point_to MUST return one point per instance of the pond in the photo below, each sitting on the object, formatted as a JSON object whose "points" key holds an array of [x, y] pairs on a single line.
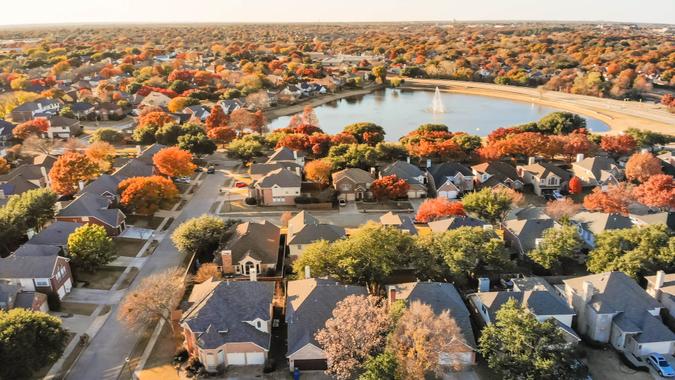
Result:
{"points": [[399, 111]]}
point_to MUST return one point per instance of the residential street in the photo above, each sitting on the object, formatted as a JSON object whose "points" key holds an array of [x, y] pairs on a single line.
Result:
{"points": [[104, 358]]}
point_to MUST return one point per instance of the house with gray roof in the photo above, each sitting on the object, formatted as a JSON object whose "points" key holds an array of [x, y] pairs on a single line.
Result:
{"points": [[38, 268], [590, 224], [304, 229], [105, 185], [259, 170], [229, 323], [251, 246], [278, 187], [309, 304], [455, 222], [441, 297], [612, 308], [544, 177], [402, 222], [416, 178], [96, 209], [12, 296], [666, 218], [352, 184], [284, 154], [6, 136], [141, 166], [63, 128], [525, 235], [449, 179], [597, 171], [496, 174], [661, 286], [55, 234]]}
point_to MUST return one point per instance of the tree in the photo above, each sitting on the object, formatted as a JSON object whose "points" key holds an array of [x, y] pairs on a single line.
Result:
{"points": [[615, 199], [352, 156], [487, 204], [199, 236], [365, 133], [517, 346], [4, 166], [560, 123], [146, 195], [102, 154], [155, 298], [422, 338], [34, 208], [245, 148], [356, 331], [168, 134], [634, 251], [30, 127], [242, 119], [562, 210], [389, 187], [618, 145], [380, 73], [391, 151], [382, 366], [89, 247], [221, 135], [68, 170], [29, 340], [198, 144], [207, 271], [437, 208], [575, 185], [556, 244], [179, 103], [641, 166], [647, 139], [318, 171], [173, 162], [108, 135], [216, 118], [658, 191]]}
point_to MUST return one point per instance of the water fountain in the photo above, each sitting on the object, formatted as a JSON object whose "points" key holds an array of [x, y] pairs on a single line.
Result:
{"points": [[437, 103]]}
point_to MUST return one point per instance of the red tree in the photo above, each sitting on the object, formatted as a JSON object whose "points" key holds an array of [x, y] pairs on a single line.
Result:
{"points": [[613, 200], [618, 145], [641, 166], [221, 135], [145, 195], [657, 191], [216, 118], [30, 127], [295, 141], [173, 162], [575, 185], [437, 208], [389, 187]]}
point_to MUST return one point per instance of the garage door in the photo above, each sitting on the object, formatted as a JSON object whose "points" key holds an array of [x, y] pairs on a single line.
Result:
{"points": [[253, 358], [236, 359], [311, 365], [68, 285], [447, 194], [61, 292]]}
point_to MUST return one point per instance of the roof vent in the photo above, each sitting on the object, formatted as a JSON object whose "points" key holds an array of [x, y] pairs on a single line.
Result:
{"points": [[222, 331]]}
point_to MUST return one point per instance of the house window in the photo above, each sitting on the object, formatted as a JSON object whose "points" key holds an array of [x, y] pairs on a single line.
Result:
{"points": [[278, 199], [258, 324], [42, 282]]}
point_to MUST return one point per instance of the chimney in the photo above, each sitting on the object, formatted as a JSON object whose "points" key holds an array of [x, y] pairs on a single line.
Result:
{"points": [[531, 160], [580, 157], [139, 150], [226, 258], [587, 291], [660, 278], [373, 172], [392, 295], [43, 170], [407, 159], [428, 163], [80, 184], [254, 274], [298, 172], [308, 273]]}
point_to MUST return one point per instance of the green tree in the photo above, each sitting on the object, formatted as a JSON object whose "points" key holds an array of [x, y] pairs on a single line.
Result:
{"points": [[352, 156], [487, 204], [365, 133], [145, 134], [633, 251], [36, 207], [382, 366], [647, 139], [29, 340], [246, 147], [380, 73], [200, 236], [391, 151], [556, 244], [168, 134], [517, 346], [198, 144], [560, 123], [468, 143], [89, 247], [108, 135]]}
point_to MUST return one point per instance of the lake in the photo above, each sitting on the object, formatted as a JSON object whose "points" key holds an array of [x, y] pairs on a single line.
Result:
{"points": [[400, 111]]}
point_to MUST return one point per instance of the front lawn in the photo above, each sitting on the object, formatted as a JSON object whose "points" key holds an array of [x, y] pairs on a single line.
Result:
{"points": [[103, 278], [140, 221], [127, 247], [78, 308], [401, 206]]}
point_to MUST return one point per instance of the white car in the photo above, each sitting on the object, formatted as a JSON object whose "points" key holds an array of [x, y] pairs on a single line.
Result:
{"points": [[661, 365], [556, 194]]}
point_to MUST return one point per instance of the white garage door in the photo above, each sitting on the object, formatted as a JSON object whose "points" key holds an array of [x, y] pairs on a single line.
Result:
{"points": [[69, 285], [255, 358], [236, 359], [447, 194], [61, 292]]}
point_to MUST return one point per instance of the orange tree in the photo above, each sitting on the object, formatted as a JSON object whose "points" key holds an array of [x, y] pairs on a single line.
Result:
{"points": [[69, 170], [146, 195], [641, 166], [615, 199], [658, 191], [389, 187], [435, 208], [216, 118], [318, 171], [31, 127], [221, 135], [173, 162]]}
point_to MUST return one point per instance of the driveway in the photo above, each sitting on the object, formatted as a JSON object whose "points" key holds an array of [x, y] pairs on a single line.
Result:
{"points": [[104, 357], [605, 364]]}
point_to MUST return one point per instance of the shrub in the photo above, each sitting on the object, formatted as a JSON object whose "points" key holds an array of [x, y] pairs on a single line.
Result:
{"points": [[250, 201]]}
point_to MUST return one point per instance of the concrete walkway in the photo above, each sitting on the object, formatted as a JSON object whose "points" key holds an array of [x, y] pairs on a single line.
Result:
{"points": [[95, 296]]}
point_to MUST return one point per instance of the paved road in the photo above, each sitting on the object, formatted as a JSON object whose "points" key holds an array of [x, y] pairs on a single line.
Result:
{"points": [[104, 357]]}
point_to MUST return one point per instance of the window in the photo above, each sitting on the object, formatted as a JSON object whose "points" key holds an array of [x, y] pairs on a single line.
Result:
{"points": [[278, 199], [258, 324], [42, 282]]}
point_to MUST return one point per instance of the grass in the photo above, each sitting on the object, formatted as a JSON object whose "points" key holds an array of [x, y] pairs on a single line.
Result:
{"points": [[140, 221], [127, 247], [388, 205], [159, 364], [129, 278], [78, 308], [103, 279], [42, 372]]}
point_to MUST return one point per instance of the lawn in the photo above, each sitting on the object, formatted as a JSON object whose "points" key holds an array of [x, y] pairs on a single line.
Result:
{"points": [[103, 278], [78, 308], [127, 247], [140, 221], [384, 206]]}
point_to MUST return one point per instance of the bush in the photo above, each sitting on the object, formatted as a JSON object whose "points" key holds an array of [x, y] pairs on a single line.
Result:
{"points": [[54, 302], [302, 200], [250, 201]]}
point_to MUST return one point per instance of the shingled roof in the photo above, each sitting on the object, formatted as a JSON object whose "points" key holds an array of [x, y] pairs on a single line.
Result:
{"points": [[257, 240]]}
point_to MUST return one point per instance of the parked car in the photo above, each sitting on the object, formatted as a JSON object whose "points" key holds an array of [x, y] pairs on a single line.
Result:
{"points": [[211, 170], [556, 194], [661, 365], [342, 202], [182, 179], [240, 184], [198, 169]]}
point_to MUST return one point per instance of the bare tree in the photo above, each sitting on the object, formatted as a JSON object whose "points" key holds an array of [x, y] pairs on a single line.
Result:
{"points": [[36, 145], [562, 210], [206, 271], [285, 217], [154, 298]]}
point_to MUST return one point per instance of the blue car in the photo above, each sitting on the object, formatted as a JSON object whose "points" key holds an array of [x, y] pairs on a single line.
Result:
{"points": [[661, 365]]}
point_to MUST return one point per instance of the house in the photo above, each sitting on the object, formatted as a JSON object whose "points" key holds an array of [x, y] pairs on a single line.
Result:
{"points": [[6, 135], [415, 177], [304, 229], [38, 268], [449, 179], [83, 110], [666, 218], [230, 105], [155, 99], [590, 224], [257, 171], [105, 185], [39, 108], [525, 235], [45, 160], [497, 173], [285, 154], [12, 296], [309, 304], [402, 222], [455, 222], [63, 128], [543, 176], [15, 186], [352, 184], [55, 234], [278, 187], [198, 112], [110, 111], [229, 323], [441, 297], [35, 174], [95, 209], [596, 171], [141, 166], [661, 286], [252, 245], [612, 308]]}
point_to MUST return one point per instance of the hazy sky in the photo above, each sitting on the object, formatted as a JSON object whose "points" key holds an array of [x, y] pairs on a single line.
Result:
{"points": [[95, 11]]}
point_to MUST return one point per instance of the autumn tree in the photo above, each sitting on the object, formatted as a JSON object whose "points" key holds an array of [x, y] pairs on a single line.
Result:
{"points": [[153, 299], [641, 166], [242, 119], [179, 103], [31, 127], [246, 148], [4, 166], [101, 153], [173, 162], [575, 185], [89, 247], [615, 199], [356, 331], [146, 195], [365, 133], [382, 366], [318, 171], [487, 204], [437, 208], [389, 187], [556, 244], [68, 170], [658, 191], [216, 118], [562, 210], [618, 145], [221, 135], [207, 271]]}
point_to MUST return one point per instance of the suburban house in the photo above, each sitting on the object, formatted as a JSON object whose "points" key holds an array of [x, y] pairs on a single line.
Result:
{"points": [[104, 185], [285, 154], [230, 105], [55, 234], [141, 166], [83, 110], [666, 218], [543, 176], [352, 184], [251, 246], [110, 111], [39, 108], [402, 222], [63, 128], [35, 174], [309, 304], [6, 135], [198, 112], [441, 297], [15, 182], [415, 177], [304, 229], [612, 308], [596, 171], [12, 296], [661, 286], [155, 99], [278, 187], [495, 174], [259, 170], [38, 268], [94, 208], [449, 179], [229, 323], [455, 222], [526, 234], [590, 224]]}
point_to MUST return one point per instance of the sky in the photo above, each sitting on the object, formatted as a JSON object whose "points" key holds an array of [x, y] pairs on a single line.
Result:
{"points": [[22, 12]]}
